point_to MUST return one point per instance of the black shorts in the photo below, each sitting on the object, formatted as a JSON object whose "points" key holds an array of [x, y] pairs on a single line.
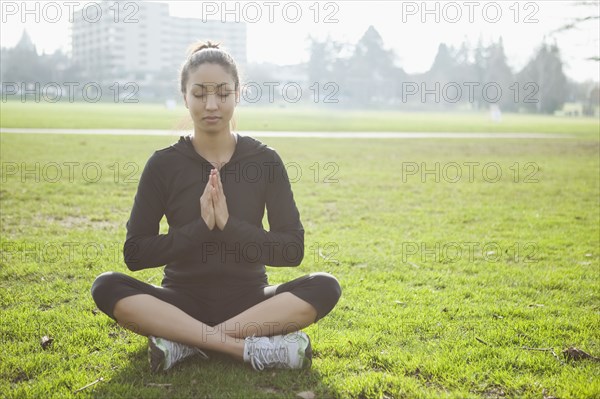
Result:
{"points": [[213, 305]]}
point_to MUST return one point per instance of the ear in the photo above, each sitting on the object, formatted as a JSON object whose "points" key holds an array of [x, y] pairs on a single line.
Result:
{"points": [[185, 101]]}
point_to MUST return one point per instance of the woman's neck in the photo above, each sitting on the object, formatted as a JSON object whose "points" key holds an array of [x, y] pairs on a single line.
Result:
{"points": [[215, 147]]}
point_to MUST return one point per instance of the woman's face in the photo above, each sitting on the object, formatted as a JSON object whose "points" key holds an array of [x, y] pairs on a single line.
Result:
{"points": [[210, 97]]}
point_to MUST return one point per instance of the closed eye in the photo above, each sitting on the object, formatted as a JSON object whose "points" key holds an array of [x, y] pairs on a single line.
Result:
{"points": [[204, 95]]}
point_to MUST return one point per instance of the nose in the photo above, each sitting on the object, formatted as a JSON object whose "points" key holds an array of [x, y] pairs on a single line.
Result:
{"points": [[211, 102]]}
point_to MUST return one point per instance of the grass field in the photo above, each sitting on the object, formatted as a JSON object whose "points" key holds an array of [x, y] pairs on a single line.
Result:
{"points": [[445, 283], [156, 116], [448, 274]]}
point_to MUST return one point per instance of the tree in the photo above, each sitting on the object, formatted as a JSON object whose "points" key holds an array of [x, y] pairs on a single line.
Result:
{"points": [[576, 23], [321, 63], [371, 74], [23, 64], [545, 72], [480, 58], [444, 73], [444, 66], [463, 58], [499, 73]]}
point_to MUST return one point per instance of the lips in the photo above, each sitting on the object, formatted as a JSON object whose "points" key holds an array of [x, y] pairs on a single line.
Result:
{"points": [[211, 118]]}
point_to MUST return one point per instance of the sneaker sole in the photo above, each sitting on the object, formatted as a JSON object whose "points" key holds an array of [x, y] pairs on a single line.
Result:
{"points": [[156, 356], [307, 363]]}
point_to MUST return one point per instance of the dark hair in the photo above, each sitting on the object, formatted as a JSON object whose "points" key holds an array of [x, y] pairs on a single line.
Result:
{"points": [[200, 53]]}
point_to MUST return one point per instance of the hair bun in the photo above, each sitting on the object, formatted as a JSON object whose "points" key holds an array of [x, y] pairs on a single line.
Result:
{"points": [[200, 45]]}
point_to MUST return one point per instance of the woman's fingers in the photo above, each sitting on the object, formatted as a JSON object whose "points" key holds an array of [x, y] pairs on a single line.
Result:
{"points": [[216, 183], [207, 195], [209, 184], [213, 178], [219, 200], [219, 181], [214, 187], [207, 206]]}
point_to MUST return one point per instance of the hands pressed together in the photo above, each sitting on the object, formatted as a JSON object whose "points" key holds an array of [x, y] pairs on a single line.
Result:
{"points": [[213, 204]]}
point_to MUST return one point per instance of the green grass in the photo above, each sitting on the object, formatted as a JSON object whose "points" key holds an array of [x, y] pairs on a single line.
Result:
{"points": [[417, 324], [155, 116]]}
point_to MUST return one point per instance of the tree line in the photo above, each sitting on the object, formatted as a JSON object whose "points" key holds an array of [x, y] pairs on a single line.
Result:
{"points": [[363, 75], [459, 78]]}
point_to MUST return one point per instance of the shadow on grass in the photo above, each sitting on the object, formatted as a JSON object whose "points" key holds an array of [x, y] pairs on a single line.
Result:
{"points": [[220, 376]]}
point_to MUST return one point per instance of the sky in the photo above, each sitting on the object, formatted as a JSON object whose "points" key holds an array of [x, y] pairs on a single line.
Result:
{"points": [[277, 31]]}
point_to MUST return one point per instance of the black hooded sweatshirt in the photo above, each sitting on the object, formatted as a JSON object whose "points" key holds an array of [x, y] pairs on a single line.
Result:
{"points": [[172, 183]]}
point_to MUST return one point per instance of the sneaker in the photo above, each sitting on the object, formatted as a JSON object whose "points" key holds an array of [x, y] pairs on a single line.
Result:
{"points": [[164, 354], [291, 351]]}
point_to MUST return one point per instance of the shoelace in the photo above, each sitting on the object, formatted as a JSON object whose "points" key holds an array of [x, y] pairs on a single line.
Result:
{"points": [[180, 351], [259, 357]]}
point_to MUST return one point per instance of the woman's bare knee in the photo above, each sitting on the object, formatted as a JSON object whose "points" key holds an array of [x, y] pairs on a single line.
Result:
{"points": [[127, 316]]}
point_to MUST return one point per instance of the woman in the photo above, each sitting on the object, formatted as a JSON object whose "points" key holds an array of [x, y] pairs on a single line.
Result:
{"points": [[213, 187]]}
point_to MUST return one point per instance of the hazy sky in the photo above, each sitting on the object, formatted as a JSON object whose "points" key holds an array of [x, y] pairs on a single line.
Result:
{"points": [[407, 27]]}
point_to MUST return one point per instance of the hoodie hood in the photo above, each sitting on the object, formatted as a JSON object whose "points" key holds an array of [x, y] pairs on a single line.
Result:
{"points": [[246, 146]]}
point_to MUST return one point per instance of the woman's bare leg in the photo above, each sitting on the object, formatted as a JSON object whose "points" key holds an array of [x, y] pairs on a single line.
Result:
{"points": [[148, 315], [280, 314]]}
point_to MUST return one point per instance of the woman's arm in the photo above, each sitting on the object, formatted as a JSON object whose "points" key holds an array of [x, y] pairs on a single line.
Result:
{"points": [[283, 245], [144, 247]]}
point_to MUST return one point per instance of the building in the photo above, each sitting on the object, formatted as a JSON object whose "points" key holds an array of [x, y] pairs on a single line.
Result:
{"points": [[141, 42]]}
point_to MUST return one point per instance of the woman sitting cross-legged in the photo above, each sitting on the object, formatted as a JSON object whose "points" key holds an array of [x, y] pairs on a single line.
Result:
{"points": [[213, 186]]}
